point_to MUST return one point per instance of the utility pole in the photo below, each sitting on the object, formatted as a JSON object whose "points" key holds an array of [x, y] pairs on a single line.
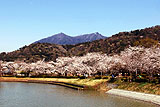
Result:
{"points": [[101, 74]]}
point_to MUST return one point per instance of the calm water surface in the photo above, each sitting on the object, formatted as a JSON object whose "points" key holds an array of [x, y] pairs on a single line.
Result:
{"points": [[45, 95]]}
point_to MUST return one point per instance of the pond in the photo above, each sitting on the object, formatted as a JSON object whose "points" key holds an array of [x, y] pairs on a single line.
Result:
{"points": [[46, 95]]}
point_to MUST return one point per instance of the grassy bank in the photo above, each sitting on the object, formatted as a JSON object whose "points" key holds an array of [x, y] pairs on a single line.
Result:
{"points": [[90, 83], [148, 88]]}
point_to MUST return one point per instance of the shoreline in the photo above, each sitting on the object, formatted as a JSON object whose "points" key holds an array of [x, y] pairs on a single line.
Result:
{"points": [[136, 95], [86, 84], [68, 85]]}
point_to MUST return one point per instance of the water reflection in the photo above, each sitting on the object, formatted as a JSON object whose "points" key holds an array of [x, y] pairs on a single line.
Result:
{"points": [[45, 95]]}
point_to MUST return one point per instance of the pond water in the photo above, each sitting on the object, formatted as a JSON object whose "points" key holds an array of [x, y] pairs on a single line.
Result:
{"points": [[46, 95]]}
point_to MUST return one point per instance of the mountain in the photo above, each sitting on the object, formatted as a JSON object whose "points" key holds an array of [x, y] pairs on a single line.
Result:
{"points": [[60, 38], [88, 38], [112, 45], [64, 39]]}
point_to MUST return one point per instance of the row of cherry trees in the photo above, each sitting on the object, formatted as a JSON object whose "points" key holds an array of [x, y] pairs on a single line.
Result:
{"points": [[134, 61]]}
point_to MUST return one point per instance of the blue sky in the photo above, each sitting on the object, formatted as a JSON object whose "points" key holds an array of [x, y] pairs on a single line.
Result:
{"points": [[25, 21]]}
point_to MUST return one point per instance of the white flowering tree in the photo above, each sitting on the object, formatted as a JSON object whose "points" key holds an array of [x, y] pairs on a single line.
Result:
{"points": [[135, 60]]}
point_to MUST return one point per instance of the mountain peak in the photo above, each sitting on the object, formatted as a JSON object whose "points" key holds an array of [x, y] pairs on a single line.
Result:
{"points": [[61, 33], [63, 39], [97, 33]]}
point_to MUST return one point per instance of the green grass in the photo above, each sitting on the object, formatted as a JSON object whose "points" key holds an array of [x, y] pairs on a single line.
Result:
{"points": [[149, 88]]}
